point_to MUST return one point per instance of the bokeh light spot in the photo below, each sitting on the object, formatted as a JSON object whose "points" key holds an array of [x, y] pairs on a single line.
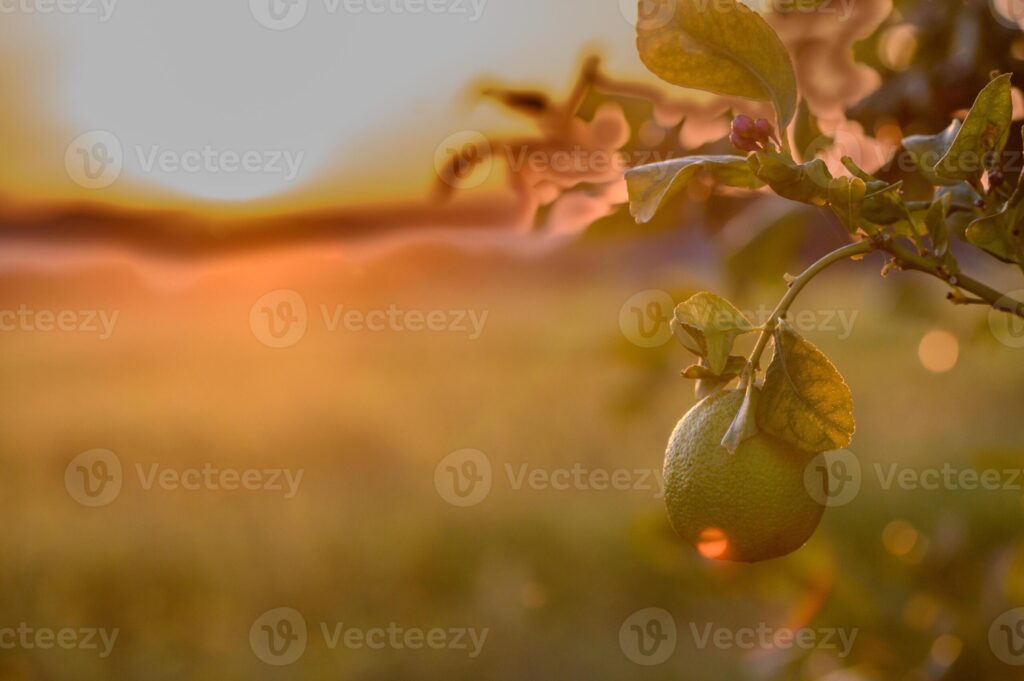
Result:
{"points": [[712, 543], [946, 649], [938, 351], [899, 537]]}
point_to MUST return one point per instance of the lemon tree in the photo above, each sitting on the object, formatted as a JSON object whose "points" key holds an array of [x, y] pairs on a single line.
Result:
{"points": [[734, 463]]}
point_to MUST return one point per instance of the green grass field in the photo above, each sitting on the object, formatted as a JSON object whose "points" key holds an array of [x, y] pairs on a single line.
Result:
{"points": [[367, 540]]}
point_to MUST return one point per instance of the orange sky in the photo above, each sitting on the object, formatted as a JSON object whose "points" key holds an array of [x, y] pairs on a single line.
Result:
{"points": [[346, 107]]}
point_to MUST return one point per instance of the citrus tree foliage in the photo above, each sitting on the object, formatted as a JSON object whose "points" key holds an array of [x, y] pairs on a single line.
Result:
{"points": [[727, 49]]}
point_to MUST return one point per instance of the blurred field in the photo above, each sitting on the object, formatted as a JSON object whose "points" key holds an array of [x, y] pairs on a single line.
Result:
{"points": [[552, 574]]}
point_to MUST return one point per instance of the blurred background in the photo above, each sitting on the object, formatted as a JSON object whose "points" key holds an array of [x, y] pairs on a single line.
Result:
{"points": [[309, 311]]}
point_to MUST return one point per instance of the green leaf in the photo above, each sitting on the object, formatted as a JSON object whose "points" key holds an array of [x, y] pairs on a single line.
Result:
{"points": [[805, 182], [807, 135], [744, 424], [962, 209], [884, 206], [725, 48], [911, 227], [999, 234], [805, 400], [651, 185], [846, 198], [708, 325], [935, 223], [994, 234], [927, 150], [870, 180], [982, 136]]}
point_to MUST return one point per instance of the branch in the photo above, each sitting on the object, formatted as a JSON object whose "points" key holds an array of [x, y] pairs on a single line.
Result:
{"points": [[907, 259], [796, 286]]}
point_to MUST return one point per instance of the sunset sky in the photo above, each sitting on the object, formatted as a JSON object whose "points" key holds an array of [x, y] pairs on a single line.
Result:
{"points": [[333, 110]]}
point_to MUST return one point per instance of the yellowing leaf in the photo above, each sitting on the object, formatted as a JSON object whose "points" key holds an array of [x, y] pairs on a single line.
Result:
{"points": [[805, 400], [708, 325], [651, 185], [983, 134], [722, 47]]}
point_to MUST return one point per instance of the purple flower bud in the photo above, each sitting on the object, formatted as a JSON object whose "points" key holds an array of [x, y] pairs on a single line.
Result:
{"points": [[765, 130], [745, 127], [742, 143]]}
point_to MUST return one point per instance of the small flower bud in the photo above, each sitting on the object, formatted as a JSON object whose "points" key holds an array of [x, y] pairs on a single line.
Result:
{"points": [[745, 127], [765, 130], [743, 143]]}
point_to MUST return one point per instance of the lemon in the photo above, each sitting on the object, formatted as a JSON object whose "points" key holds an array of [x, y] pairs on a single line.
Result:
{"points": [[747, 506]]}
